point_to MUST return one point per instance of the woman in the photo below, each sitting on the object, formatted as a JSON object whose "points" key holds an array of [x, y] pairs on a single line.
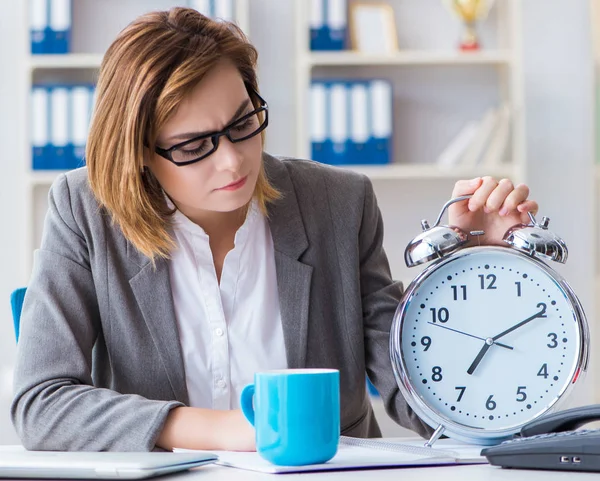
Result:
{"points": [[183, 259]]}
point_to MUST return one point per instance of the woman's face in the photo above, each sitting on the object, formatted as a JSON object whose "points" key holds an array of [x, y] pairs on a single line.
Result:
{"points": [[225, 180]]}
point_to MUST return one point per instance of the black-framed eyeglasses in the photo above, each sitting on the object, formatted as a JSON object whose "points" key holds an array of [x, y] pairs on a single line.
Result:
{"points": [[198, 148]]}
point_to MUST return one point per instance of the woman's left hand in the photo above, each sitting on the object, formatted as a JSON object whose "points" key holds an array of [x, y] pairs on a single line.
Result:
{"points": [[494, 207]]}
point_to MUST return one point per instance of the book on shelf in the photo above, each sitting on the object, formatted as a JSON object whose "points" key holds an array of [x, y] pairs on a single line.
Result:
{"points": [[50, 26], [328, 24], [497, 149], [355, 453], [351, 121], [60, 118], [480, 142], [452, 154]]}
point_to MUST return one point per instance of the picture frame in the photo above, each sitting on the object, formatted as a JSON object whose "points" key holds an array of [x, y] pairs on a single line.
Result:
{"points": [[373, 28]]}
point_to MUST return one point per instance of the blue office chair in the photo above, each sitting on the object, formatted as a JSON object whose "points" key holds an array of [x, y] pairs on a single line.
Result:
{"points": [[16, 302]]}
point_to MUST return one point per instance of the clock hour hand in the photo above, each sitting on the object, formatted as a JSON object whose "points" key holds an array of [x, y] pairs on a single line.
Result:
{"points": [[488, 343], [470, 335]]}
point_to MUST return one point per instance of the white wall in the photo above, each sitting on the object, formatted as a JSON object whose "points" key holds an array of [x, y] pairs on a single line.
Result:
{"points": [[12, 195], [559, 101]]}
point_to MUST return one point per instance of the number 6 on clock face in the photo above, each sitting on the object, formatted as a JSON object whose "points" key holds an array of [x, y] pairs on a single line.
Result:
{"points": [[485, 340]]}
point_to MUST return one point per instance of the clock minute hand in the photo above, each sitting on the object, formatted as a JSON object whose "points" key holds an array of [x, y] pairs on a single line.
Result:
{"points": [[520, 324], [499, 344], [490, 341]]}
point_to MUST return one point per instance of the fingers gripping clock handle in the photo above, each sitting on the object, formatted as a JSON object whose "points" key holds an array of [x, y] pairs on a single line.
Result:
{"points": [[568, 420]]}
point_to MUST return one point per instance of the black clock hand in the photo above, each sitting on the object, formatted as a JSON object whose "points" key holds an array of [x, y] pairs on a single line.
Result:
{"points": [[470, 335], [522, 323], [490, 341]]}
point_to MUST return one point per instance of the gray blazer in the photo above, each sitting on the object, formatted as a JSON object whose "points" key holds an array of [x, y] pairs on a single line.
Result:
{"points": [[99, 363]]}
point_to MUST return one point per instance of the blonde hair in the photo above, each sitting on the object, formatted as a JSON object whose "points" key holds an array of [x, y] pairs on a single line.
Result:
{"points": [[145, 74]]}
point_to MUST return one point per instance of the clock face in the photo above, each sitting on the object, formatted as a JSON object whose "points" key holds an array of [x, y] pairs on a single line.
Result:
{"points": [[489, 340]]}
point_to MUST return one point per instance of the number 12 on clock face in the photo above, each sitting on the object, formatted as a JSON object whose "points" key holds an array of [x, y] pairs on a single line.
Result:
{"points": [[489, 339]]}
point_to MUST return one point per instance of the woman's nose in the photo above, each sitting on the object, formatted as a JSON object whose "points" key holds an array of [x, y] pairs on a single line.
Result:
{"points": [[227, 156]]}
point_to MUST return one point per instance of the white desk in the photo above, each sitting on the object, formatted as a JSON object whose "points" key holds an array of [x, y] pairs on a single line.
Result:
{"points": [[481, 472]]}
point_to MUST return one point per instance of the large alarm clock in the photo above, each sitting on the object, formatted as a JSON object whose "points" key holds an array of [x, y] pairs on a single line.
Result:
{"points": [[487, 338]]}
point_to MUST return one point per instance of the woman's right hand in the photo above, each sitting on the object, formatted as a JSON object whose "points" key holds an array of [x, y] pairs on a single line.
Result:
{"points": [[239, 434], [207, 429]]}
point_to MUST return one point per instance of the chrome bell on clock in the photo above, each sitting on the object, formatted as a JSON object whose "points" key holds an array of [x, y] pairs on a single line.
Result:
{"points": [[437, 241], [536, 240]]}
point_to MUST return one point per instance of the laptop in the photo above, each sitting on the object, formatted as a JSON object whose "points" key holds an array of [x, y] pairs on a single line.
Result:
{"points": [[97, 465]]}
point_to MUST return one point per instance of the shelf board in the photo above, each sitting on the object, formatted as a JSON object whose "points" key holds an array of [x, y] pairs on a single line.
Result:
{"points": [[424, 171], [43, 178], [410, 57], [71, 60]]}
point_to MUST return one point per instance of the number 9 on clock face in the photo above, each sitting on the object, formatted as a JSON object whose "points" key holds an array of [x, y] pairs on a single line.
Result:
{"points": [[486, 340]]}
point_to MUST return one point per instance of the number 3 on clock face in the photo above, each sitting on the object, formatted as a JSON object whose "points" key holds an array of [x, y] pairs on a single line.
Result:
{"points": [[486, 340]]}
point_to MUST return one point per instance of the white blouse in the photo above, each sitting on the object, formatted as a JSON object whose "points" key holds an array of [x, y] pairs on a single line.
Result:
{"points": [[231, 330]]}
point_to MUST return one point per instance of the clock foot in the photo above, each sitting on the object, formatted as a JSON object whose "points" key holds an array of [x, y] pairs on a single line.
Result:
{"points": [[435, 436]]}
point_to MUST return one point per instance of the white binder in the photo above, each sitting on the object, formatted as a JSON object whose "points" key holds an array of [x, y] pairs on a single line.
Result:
{"points": [[381, 109], [80, 119], [359, 126], [338, 111], [59, 126]]}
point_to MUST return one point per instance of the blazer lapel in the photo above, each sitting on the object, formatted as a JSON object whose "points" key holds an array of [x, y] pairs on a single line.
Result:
{"points": [[152, 290], [293, 277]]}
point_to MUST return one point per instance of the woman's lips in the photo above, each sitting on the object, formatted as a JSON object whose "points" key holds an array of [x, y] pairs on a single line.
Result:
{"points": [[238, 184]]}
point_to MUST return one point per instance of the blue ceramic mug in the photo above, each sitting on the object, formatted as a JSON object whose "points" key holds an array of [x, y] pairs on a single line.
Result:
{"points": [[296, 414]]}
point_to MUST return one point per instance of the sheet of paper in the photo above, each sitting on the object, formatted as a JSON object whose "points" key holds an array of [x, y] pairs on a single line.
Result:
{"points": [[347, 457]]}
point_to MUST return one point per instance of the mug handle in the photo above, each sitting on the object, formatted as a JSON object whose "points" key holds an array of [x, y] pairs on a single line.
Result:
{"points": [[246, 403]]}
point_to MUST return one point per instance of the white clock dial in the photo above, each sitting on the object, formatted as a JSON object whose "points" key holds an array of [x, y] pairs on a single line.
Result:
{"points": [[489, 339]]}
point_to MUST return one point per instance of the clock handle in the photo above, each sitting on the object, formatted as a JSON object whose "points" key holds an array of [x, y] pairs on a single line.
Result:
{"points": [[448, 204]]}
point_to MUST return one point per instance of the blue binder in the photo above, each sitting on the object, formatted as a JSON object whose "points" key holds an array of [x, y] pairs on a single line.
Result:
{"points": [[339, 139], [60, 26], [40, 136], [379, 150], [318, 121], [39, 27], [360, 119], [318, 29], [60, 151], [337, 24], [81, 97], [328, 21]]}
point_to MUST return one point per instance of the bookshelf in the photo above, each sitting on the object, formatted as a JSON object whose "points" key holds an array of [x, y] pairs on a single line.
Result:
{"points": [[437, 90], [89, 40]]}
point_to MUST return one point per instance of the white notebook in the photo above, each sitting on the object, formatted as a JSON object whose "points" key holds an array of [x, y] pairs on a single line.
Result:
{"points": [[355, 453]]}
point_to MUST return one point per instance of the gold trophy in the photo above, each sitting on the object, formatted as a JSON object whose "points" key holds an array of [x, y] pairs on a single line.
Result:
{"points": [[470, 12]]}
